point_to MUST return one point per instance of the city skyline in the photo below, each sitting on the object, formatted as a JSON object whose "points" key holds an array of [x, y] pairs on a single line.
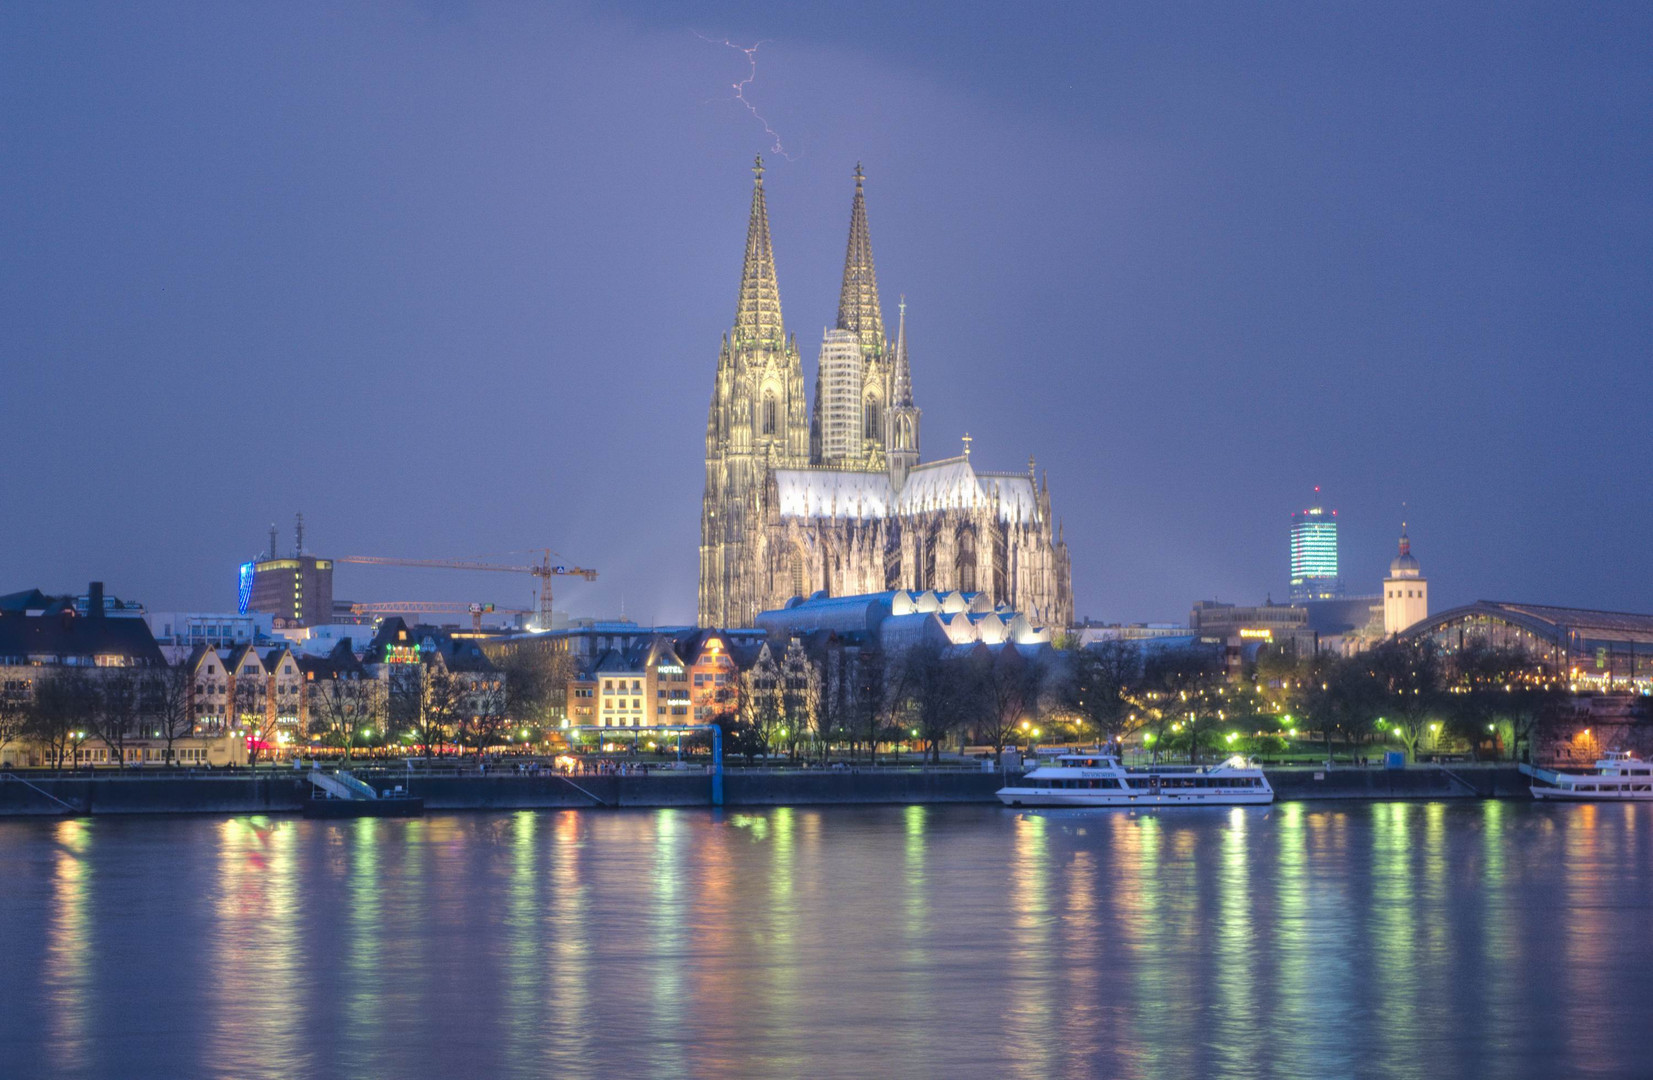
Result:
{"points": [[398, 271]]}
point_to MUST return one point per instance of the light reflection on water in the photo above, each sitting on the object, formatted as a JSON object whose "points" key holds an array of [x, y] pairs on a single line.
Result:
{"points": [[1497, 939]]}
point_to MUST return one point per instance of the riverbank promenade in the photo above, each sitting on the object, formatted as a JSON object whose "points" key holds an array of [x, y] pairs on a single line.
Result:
{"points": [[279, 790]]}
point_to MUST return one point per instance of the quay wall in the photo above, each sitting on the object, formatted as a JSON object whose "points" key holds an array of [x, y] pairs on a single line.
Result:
{"points": [[1418, 782], [281, 793]]}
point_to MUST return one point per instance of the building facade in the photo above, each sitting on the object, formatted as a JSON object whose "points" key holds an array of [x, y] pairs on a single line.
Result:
{"points": [[297, 591], [1592, 650], [838, 503]]}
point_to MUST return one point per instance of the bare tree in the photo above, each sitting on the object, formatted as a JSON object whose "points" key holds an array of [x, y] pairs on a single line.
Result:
{"points": [[869, 701], [14, 713], [934, 695], [1094, 694], [341, 708], [117, 711], [800, 696], [1181, 695], [481, 716], [166, 696], [535, 686], [61, 711], [1011, 684], [760, 702], [427, 700], [254, 714], [832, 711], [1412, 678]]}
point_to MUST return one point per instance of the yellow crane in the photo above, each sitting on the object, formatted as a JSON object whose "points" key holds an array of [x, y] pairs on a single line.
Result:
{"points": [[545, 570]]}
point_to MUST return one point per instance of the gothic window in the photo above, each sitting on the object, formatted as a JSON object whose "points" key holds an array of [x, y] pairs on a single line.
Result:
{"points": [[769, 413], [892, 562], [874, 419], [964, 569], [798, 579], [1001, 576], [904, 434]]}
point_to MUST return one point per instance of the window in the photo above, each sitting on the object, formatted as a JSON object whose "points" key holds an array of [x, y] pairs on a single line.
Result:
{"points": [[964, 568], [769, 413], [873, 419]]}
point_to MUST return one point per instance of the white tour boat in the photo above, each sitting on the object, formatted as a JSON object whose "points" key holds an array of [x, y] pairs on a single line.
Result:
{"points": [[1619, 777], [1097, 779]]}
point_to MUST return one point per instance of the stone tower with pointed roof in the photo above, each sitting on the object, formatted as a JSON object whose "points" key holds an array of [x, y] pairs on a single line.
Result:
{"points": [[838, 502]]}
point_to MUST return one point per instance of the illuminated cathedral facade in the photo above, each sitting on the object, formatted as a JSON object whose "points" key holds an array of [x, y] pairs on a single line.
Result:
{"points": [[834, 499]]}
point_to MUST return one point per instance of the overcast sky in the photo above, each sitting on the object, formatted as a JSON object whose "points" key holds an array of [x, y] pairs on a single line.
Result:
{"points": [[450, 279]]}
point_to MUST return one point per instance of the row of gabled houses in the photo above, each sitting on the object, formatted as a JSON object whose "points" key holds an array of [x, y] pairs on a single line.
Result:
{"points": [[238, 702], [262, 699]]}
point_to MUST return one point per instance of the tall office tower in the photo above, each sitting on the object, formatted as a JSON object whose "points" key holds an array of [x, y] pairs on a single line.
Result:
{"points": [[1314, 554]]}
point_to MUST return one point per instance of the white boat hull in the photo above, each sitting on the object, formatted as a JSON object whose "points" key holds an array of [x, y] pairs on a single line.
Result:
{"points": [[1619, 777], [1561, 794], [1042, 797]]}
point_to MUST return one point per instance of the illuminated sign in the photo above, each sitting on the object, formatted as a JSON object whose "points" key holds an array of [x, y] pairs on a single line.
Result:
{"points": [[670, 669], [401, 654], [244, 594], [1257, 635]]}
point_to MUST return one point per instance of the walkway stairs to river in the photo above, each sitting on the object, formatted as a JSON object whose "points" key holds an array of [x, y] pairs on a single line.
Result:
{"points": [[59, 805]]}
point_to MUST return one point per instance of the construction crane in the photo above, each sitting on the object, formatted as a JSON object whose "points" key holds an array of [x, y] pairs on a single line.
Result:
{"points": [[436, 607], [545, 571]]}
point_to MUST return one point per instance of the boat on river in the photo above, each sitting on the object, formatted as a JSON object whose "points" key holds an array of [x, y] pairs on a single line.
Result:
{"points": [[1619, 777], [1086, 780]]}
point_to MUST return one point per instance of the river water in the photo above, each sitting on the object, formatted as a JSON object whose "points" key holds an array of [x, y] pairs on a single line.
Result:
{"points": [[1497, 939]]}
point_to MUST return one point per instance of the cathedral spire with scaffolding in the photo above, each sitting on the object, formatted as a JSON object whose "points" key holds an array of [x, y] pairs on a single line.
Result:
{"points": [[858, 310]]}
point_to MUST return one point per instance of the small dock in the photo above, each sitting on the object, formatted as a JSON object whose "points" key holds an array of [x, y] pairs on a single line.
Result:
{"points": [[340, 795]]}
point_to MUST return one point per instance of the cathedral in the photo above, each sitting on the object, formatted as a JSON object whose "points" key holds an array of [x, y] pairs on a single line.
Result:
{"points": [[834, 499]]}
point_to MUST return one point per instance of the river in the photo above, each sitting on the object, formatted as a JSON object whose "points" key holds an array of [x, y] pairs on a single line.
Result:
{"points": [[1495, 939]]}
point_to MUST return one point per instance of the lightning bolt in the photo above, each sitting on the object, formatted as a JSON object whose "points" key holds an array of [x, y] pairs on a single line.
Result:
{"points": [[751, 53]]}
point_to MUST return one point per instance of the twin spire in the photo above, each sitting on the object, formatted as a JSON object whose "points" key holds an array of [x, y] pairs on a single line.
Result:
{"points": [[858, 310], [758, 313]]}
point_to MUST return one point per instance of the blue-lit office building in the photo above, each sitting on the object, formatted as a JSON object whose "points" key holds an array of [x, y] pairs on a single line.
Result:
{"points": [[1314, 573]]}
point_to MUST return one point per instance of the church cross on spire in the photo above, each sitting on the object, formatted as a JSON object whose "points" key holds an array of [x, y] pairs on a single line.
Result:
{"points": [[758, 313], [858, 309]]}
